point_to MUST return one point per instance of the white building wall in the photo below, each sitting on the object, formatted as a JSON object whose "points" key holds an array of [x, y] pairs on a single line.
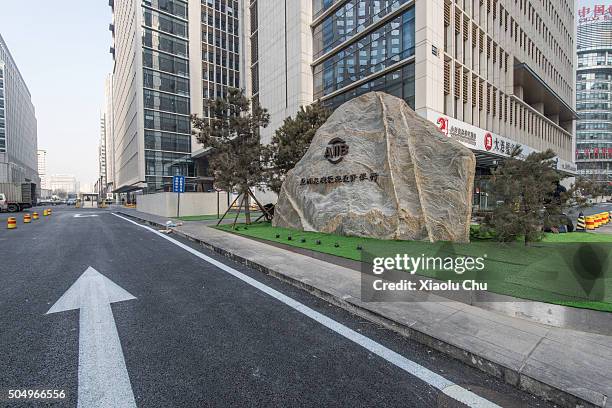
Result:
{"points": [[128, 118], [19, 162], [285, 55]]}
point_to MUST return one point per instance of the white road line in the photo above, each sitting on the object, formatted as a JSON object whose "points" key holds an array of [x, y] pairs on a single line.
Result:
{"points": [[445, 386]]}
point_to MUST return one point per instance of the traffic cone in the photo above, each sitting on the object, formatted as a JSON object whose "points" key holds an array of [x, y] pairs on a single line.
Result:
{"points": [[11, 223], [34, 215], [27, 218]]}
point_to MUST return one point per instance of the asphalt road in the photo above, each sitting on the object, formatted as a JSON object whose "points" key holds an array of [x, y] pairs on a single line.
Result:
{"points": [[196, 336]]}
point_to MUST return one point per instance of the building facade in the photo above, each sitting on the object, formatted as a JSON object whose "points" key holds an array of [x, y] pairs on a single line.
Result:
{"points": [[594, 97], [64, 183], [171, 57], [42, 168], [150, 97], [491, 73], [18, 132], [102, 181]]}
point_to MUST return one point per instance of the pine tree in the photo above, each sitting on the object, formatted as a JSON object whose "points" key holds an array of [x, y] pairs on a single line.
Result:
{"points": [[527, 193], [291, 141], [233, 135]]}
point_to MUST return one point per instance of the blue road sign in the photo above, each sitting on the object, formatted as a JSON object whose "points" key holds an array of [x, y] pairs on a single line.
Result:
{"points": [[178, 184]]}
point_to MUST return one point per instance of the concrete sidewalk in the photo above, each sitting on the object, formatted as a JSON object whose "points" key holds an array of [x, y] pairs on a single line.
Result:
{"points": [[570, 368]]}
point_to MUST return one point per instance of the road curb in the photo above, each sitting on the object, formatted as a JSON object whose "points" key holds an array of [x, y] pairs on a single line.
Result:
{"points": [[511, 376]]}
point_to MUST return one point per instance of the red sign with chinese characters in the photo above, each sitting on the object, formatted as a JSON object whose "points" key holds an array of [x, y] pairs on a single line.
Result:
{"points": [[598, 12]]}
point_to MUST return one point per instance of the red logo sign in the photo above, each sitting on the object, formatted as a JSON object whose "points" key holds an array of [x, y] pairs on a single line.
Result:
{"points": [[443, 125], [488, 141]]}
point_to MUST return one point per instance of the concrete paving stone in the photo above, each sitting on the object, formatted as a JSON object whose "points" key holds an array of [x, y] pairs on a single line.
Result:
{"points": [[581, 370]]}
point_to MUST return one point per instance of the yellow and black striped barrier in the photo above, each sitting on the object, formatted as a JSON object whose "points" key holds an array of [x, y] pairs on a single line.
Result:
{"points": [[590, 223], [581, 224], [27, 218], [11, 223], [34, 215]]}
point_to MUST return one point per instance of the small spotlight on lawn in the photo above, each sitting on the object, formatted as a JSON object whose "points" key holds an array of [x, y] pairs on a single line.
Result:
{"points": [[318, 242], [277, 235], [303, 240], [337, 245], [289, 238], [359, 248]]}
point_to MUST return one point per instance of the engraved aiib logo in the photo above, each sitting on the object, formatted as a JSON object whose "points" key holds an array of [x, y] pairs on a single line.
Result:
{"points": [[336, 150]]}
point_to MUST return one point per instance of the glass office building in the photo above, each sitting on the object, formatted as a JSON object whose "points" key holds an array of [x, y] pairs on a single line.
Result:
{"points": [[348, 64], [18, 127], [594, 98], [165, 60], [171, 57]]}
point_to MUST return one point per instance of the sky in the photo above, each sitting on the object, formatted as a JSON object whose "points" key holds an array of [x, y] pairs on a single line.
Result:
{"points": [[62, 50]]}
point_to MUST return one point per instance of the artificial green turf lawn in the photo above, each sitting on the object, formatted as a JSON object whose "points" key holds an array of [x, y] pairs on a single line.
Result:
{"points": [[541, 271]]}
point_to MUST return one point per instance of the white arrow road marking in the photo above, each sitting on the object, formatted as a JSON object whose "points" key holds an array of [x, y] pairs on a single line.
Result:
{"points": [[445, 386], [85, 216], [103, 377]]}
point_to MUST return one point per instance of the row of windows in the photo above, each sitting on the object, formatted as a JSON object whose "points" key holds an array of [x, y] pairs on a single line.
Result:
{"points": [[593, 86], [594, 126], [230, 7], [595, 116], [380, 49], [163, 62], [220, 39], [220, 21], [593, 136], [594, 96], [167, 122], [350, 19], [171, 142], [174, 7], [593, 106], [166, 43], [165, 82], [164, 23], [589, 76], [166, 164], [399, 83], [220, 58], [221, 77], [166, 102]]}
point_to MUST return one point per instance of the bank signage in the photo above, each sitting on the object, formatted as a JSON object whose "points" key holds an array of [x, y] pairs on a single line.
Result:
{"points": [[481, 140], [598, 12], [336, 150]]}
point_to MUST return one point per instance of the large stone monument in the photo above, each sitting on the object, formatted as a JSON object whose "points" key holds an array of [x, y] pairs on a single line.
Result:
{"points": [[377, 169]]}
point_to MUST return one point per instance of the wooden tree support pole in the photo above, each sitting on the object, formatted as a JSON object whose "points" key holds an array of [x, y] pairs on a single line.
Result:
{"points": [[261, 207], [239, 208], [228, 208]]}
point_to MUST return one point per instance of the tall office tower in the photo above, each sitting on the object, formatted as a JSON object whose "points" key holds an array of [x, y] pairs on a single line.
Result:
{"points": [[594, 87], [18, 139], [42, 168], [151, 126], [102, 158], [108, 134], [171, 57], [491, 73], [215, 63]]}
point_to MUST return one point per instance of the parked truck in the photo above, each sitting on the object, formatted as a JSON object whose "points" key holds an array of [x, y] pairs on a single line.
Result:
{"points": [[17, 197]]}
